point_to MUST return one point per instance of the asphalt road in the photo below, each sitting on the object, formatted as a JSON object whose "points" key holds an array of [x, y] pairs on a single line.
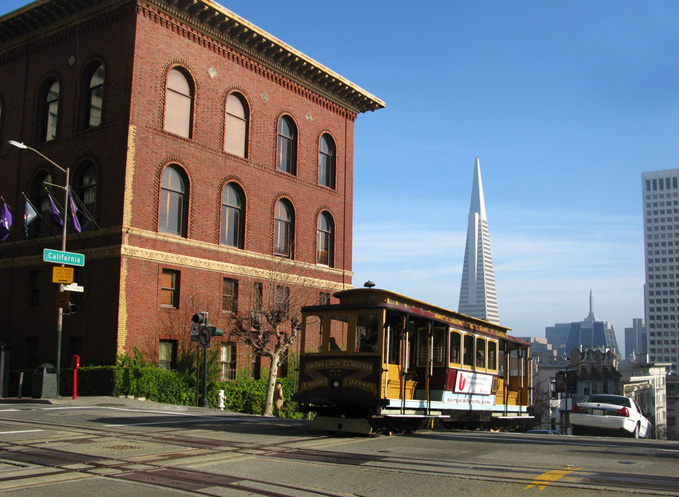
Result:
{"points": [[118, 447]]}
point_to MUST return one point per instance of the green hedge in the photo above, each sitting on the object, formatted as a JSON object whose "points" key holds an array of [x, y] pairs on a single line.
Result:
{"points": [[169, 387]]}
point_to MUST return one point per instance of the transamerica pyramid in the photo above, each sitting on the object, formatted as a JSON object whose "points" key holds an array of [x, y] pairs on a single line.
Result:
{"points": [[477, 292]]}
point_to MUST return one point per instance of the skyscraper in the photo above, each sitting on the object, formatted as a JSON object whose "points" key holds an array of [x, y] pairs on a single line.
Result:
{"points": [[635, 338], [477, 292], [591, 332], [661, 245]]}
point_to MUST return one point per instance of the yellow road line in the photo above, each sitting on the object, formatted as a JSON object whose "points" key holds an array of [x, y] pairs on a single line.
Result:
{"points": [[550, 476]]}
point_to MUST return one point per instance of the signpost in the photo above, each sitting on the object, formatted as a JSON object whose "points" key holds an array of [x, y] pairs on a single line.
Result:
{"points": [[62, 274], [74, 287], [62, 257], [62, 300], [204, 336]]}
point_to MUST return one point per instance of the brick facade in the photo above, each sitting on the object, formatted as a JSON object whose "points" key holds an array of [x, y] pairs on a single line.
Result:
{"points": [[138, 43]]}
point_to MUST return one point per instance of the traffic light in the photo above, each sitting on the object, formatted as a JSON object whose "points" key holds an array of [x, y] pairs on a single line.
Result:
{"points": [[216, 332], [198, 318], [70, 309]]}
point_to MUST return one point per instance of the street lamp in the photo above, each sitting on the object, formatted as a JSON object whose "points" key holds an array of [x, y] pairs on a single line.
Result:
{"points": [[60, 311]]}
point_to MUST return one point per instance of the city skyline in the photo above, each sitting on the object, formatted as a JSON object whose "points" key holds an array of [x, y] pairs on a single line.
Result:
{"points": [[565, 105]]}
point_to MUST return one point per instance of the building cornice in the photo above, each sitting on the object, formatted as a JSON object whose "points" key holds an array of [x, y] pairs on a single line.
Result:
{"points": [[212, 21]]}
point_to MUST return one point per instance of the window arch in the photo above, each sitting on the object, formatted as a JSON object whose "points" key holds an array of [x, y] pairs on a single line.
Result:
{"points": [[236, 125], [173, 201], [325, 240], [284, 229], [326, 161], [287, 145], [179, 93], [41, 203], [86, 190], [233, 216], [48, 110], [93, 95]]}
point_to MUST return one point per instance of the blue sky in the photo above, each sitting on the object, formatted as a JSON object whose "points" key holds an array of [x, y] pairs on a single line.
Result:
{"points": [[564, 103]]}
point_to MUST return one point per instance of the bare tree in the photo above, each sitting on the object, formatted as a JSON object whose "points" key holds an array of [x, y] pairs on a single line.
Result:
{"points": [[271, 321]]}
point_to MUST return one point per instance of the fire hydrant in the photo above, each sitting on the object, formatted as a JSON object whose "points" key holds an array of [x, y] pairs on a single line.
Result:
{"points": [[220, 400]]}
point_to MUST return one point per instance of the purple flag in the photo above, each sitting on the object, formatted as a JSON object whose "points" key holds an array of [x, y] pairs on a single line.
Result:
{"points": [[6, 221], [56, 217], [73, 210]]}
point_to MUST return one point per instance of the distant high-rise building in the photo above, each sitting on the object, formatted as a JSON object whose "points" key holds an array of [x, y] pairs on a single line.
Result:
{"points": [[557, 336], [477, 292], [661, 245], [635, 338], [591, 333]]}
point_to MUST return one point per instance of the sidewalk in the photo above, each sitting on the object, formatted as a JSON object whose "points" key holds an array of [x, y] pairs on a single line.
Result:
{"points": [[103, 401]]}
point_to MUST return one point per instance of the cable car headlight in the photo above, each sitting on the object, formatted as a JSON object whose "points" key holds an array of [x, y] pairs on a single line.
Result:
{"points": [[335, 383]]}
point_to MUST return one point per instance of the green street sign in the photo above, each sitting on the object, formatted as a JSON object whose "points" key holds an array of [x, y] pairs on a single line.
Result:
{"points": [[59, 257]]}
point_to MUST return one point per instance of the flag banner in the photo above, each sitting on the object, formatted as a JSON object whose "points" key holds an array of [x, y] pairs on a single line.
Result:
{"points": [[6, 221], [73, 210], [29, 215], [56, 217]]}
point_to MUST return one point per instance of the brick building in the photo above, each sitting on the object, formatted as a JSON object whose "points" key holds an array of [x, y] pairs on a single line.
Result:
{"points": [[214, 159]]}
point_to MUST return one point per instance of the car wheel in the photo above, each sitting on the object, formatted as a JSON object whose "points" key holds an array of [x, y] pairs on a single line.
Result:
{"points": [[635, 433], [576, 430]]}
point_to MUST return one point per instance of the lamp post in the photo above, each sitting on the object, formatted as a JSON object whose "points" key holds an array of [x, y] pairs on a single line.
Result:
{"points": [[60, 311]]}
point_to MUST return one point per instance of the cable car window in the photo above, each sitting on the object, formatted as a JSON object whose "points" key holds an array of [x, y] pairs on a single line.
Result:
{"points": [[480, 353], [492, 355], [313, 333], [439, 346], [339, 326], [393, 340], [468, 358], [422, 347], [455, 346], [367, 332]]}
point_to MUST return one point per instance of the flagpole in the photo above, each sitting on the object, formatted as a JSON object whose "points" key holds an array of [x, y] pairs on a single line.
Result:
{"points": [[60, 311]]}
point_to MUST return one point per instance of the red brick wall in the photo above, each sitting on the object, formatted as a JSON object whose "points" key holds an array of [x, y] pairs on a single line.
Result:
{"points": [[121, 305]]}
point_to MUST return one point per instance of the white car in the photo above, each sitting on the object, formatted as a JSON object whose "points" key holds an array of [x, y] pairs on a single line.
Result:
{"points": [[614, 414]]}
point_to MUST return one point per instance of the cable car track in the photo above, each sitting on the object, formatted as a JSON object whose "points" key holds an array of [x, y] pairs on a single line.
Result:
{"points": [[63, 459]]}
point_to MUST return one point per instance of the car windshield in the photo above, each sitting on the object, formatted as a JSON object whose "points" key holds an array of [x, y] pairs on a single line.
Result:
{"points": [[608, 399]]}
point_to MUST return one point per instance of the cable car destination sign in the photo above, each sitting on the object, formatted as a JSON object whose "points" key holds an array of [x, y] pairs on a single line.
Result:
{"points": [[60, 257]]}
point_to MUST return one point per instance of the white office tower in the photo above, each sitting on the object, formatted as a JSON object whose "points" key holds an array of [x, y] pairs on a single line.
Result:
{"points": [[477, 292], [661, 245]]}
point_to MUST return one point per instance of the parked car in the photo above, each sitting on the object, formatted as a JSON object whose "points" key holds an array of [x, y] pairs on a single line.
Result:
{"points": [[609, 414], [545, 432]]}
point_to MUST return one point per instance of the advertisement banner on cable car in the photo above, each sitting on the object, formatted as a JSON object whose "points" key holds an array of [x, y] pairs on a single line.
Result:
{"points": [[475, 383]]}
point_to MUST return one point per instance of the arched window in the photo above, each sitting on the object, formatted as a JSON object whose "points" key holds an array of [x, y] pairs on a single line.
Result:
{"points": [[326, 161], [283, 230], [233, 216], [287, 145], [93, 95], [86, 189], [41, 202], [179, 103], [325, 240], [49, 110], [173, 202], [236, 126]]}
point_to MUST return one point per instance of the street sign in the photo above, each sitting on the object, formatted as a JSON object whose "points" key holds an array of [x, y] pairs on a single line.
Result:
{"points": [[59, 257], [62, 299], [73, 287], [193, 337], [62, 274], [204, 336]]}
